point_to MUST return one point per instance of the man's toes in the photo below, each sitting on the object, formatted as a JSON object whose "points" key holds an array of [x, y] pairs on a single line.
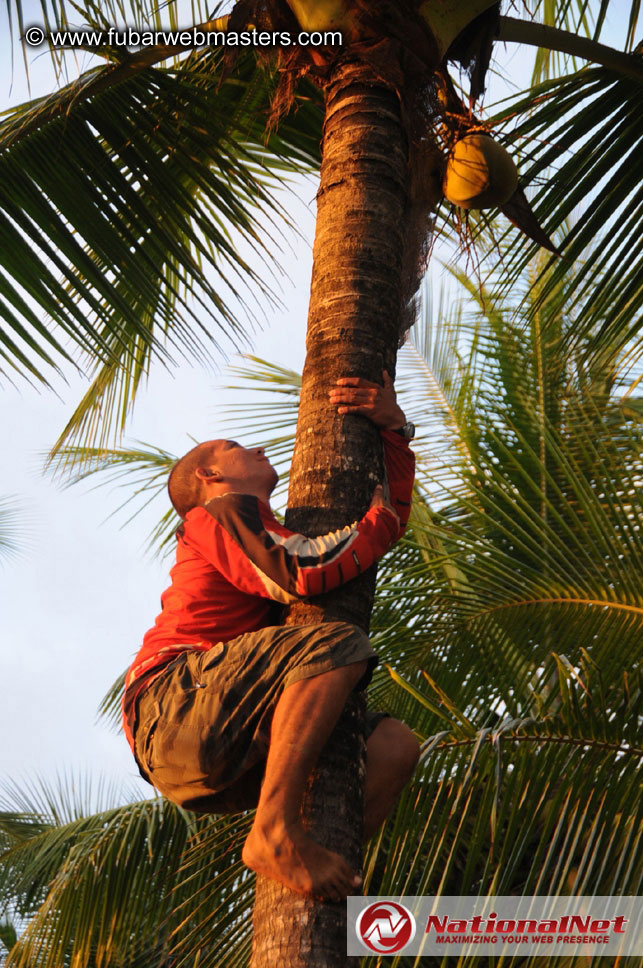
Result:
{"points": [[349, 886], [332, 891], [336, 889], [346, 870]]}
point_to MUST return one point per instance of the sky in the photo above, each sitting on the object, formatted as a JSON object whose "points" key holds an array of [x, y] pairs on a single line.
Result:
{"points": [[81, 593]]}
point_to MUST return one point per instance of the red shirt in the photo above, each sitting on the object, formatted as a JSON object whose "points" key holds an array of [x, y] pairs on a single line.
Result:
{"points": [[234, 560]]}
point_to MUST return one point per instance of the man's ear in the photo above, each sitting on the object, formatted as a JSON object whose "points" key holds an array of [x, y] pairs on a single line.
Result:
{"points": [[205, 474]]}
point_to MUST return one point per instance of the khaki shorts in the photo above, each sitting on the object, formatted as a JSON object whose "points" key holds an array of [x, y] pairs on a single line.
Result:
{"points": [[203, 727]]}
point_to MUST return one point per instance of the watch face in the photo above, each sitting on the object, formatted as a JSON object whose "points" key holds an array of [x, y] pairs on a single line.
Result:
{"points": [[409, 430]]}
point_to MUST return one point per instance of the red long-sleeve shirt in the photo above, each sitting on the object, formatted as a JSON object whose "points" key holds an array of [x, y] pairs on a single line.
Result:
{"points": [[234, 560]]}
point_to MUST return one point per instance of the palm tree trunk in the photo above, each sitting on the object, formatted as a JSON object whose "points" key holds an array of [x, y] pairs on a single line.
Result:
{"points": [[353, 328], [291, 930]]}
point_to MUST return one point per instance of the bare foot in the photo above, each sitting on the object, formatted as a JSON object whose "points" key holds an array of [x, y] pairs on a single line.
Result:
{"points": [[289, 856]]}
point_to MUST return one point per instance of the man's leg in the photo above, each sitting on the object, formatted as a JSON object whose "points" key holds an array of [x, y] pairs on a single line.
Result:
{"points": [[392, 753], [277, 845]]}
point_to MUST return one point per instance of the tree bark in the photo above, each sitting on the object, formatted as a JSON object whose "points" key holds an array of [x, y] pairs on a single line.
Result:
{"points": [[353, 329], [354, 317]]}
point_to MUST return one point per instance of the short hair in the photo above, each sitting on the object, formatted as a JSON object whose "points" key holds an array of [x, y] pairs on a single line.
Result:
{"points": [[183, 486]]}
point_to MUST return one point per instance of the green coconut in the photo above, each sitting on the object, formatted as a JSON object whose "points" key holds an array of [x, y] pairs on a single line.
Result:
{"points": [[479, 173]]}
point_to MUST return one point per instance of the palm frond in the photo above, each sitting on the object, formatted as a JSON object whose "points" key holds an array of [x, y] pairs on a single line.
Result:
{"points": [[436, 382], [71, 797], [124, 219], [521, 808], [214, 895], [11, 528], [8, 934], [576, 17], [531, 544], [580, 143], [497, 584], [117, 862], [58, 14], [133, 884], [632, 16], [141, 471], [110, 709]]}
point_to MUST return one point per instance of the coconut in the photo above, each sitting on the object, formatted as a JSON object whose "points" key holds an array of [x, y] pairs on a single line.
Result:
{"points": [[479, 173]]}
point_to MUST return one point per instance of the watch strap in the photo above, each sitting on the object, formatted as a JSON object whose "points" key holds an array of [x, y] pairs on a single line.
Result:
{"points": [[407, 431]]}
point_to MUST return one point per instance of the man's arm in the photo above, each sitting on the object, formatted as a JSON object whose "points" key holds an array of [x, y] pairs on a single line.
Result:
{"points": [[378, 403], [240, 536], [243, 540]]}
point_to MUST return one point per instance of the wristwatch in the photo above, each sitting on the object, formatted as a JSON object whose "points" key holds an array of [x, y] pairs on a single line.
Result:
{"points": [[407, 431]]}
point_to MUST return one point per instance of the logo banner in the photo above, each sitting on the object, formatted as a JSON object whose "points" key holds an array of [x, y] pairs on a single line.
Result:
{"points": [[504, 925]]}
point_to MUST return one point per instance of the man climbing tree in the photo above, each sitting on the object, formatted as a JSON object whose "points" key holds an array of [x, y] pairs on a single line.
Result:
{"points": [[224, 708]]}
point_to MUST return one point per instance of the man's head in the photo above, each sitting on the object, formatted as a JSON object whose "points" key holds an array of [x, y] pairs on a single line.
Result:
{"points": [[217, 467]]}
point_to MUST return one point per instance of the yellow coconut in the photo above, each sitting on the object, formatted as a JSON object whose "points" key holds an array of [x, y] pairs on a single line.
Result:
{"points": [[479, 173]]}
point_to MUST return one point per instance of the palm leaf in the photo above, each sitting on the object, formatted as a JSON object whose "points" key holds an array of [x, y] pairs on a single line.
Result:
{"points": [[436, 382], [119, 249], [575, 17], [580, 143], [142, 471], [137, 14], [524, 807], [632, 21], [111, 887], [10, 527]]}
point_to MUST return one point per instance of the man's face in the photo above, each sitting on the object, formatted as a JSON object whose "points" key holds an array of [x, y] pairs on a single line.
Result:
{"points": [[238, 464]]}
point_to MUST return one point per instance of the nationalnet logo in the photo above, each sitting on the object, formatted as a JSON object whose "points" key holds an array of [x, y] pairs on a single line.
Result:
{"points": [[385, 927], [548, 926]]}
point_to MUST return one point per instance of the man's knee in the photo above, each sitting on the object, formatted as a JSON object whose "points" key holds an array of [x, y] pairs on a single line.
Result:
{"points": [[346, 630], [348, 675], [346, 627], [393, 741], [356, 670]]}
